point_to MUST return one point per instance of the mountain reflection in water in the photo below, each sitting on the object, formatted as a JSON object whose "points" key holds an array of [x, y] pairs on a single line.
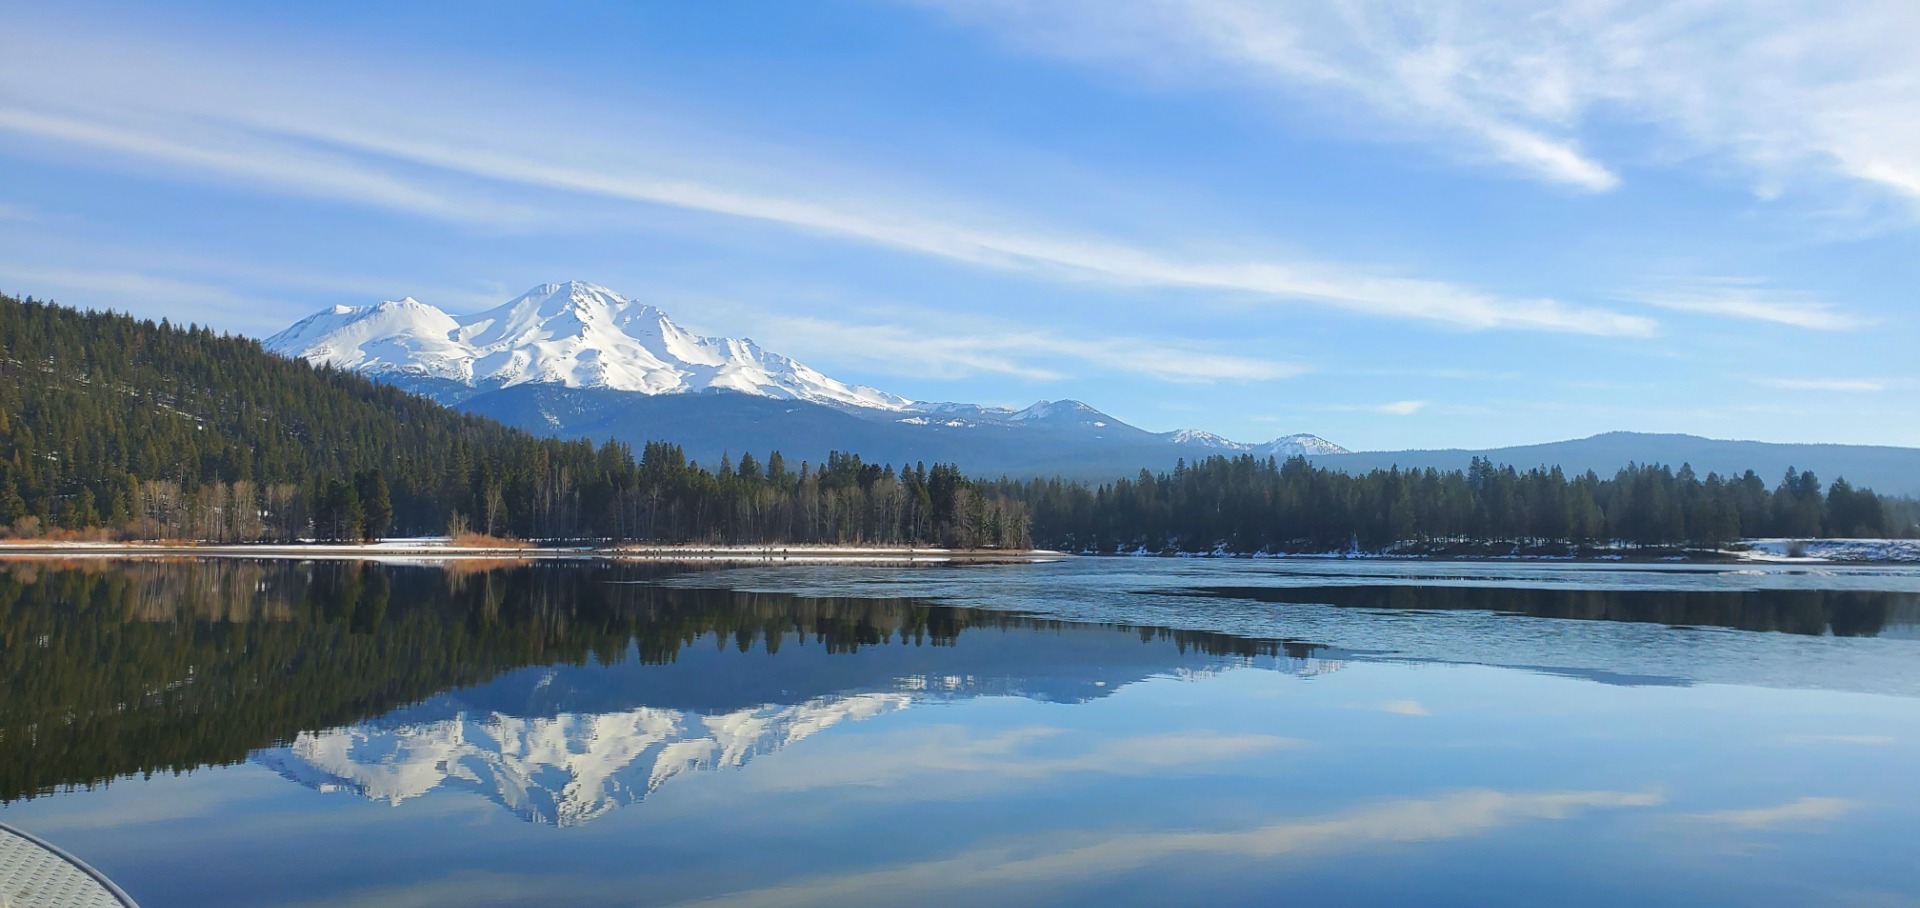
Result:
{"points": [[580, 732], [557, 690]]}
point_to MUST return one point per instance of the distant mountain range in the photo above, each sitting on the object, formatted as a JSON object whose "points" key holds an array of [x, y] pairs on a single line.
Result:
{"points": [[1885, 469], [578, 360]]}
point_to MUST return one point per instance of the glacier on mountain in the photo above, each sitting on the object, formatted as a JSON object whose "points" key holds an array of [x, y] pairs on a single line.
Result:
{"points": [[583, 336], [576, 335]]}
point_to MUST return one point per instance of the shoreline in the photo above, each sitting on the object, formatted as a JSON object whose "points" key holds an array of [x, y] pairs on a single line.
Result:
{"points": [[425, 551], [430, 550]]}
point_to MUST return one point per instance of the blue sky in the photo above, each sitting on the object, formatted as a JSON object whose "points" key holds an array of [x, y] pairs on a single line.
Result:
{"points": [[1393, 225]]}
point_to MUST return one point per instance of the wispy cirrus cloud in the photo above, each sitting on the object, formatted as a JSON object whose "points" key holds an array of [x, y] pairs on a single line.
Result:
{"points": [[1389, 408], [303, 128], [932, 351], [1418, 70], [256, 159], [1789, 94], [1839, 385], [1752, 300], [157, 284], [140, 292]]}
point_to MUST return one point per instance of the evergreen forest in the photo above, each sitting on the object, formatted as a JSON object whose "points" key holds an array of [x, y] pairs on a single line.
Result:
{"points": [[116, 427], [1247, 505], [156, 431]]}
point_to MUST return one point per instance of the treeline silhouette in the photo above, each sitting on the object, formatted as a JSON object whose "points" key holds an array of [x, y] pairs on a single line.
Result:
{"points": [[1246, 504], [111, 669], [157, 431]]}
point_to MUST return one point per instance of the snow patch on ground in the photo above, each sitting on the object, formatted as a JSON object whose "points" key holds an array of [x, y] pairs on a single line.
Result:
{"points": [[1828, 550]]}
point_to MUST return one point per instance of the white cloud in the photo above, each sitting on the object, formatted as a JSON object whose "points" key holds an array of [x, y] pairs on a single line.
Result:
{"points": [[147, 295], [1841, 385], [1390, 408], [1446, 374], [238, 155], [955, 351], [1789, 93], [351, 136], [1748, 299], [1420, 68], [1404, 708]]}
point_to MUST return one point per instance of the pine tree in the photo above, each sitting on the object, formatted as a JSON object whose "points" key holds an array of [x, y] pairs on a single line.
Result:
{"points": [[376, 504]]}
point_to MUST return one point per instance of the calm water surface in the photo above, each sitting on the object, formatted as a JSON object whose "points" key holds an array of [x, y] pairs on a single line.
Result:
{"points": [[1097, 731]]}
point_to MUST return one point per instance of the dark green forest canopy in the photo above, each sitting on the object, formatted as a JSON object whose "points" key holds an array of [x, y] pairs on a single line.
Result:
{"points": [[1246, 504], [160, 431]]}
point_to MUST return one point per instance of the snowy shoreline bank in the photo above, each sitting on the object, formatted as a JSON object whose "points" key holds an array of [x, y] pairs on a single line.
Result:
{"points": [[433, 550], [1746, 551], [428, 550]]}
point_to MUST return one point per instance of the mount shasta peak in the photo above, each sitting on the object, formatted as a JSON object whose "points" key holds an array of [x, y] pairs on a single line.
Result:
{"points": [[578, 360]]}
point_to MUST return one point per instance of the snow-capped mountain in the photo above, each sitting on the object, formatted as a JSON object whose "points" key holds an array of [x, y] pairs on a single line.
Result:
{"points": [[1301, 445], [574, 335], [1198, 439], [1051, 414], [578, 360]]}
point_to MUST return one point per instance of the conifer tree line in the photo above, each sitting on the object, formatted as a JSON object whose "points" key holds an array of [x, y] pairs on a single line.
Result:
{"points": [[157, 431], [1247, 504], [153, 431]]}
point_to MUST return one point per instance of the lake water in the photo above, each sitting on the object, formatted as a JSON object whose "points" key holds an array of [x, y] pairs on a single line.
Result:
{"points": [[1094, 731]]}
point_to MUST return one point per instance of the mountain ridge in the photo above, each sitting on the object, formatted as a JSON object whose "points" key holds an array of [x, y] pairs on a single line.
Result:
{"points": [[577, 360], [1884, 468], [584, 338]]}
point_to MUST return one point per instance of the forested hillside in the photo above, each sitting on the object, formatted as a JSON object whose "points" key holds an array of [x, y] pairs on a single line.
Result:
{"points": [[160, 431], [1246, 504], [114, 425]]}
